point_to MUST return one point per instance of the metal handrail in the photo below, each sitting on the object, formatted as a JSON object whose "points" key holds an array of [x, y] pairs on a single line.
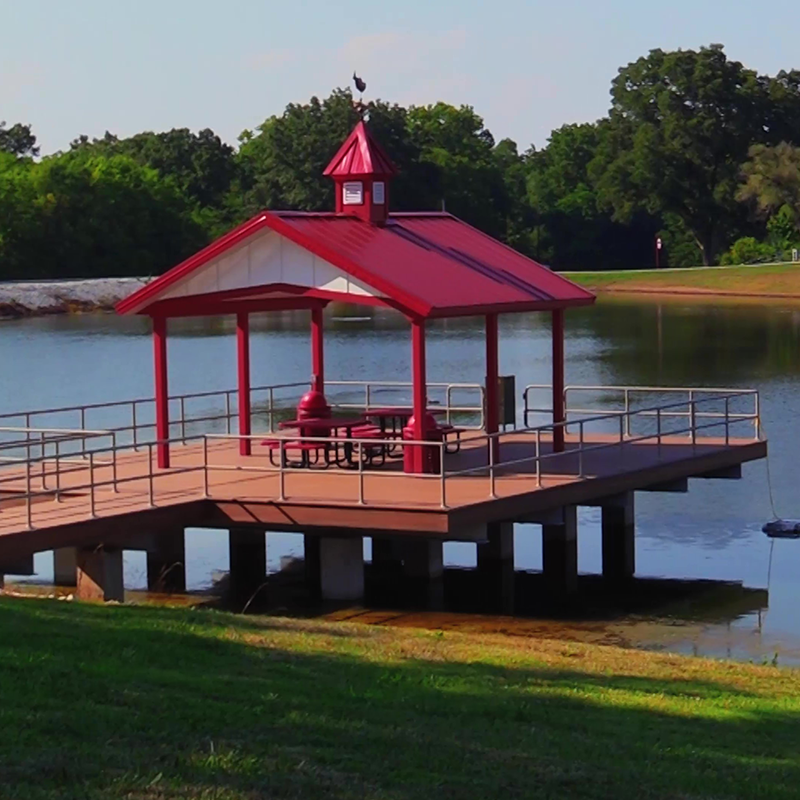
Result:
{"points": [[624, 438], [151, 474], [718, 393], [141, 430]]}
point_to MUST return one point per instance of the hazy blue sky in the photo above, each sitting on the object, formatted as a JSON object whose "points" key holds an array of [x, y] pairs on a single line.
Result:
{"points": [[86, 66]]}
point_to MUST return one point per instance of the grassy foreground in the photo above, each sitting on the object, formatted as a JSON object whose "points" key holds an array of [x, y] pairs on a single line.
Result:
{"points": [[770, 279], [153, 703]]}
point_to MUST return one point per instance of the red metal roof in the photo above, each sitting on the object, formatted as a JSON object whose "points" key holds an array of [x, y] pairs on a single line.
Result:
{"points": [[360, 155], [427, 264]]}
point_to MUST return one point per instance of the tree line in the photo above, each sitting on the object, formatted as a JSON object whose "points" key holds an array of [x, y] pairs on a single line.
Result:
{"points": [[696, 149]]}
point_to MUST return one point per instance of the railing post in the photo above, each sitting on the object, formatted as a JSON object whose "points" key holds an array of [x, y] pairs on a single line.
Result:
{"points": [[757, 420], [727, 421], [443, 498], [281, 474], [205, 467], [150, 476], [270, 411], [492, 492], [135, 432], [83, 418], [360, 451], [538, 459], [580, 449], [182, 405], [228, 411], [28, 498], [91, 484], [114, 461], [693, 421], [43, 469], [58, 472], [658, 425], [627, 412]]}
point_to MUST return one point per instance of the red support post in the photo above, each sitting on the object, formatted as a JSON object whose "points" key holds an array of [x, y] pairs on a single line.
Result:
{"points": [[243, 362], [162, 391], [558, 379], [317, 351], [492, 381], [419, 390]]}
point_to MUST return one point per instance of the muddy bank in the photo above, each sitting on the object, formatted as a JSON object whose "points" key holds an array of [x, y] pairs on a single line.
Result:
{"points": [[38, 298]]}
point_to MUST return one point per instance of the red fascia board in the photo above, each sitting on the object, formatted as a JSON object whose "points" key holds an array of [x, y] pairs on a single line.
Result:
{"points": [[172, 276], [508, 308]]}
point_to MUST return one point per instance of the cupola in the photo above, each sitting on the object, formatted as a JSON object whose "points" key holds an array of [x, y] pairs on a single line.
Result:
{"points": [[361, 172]]}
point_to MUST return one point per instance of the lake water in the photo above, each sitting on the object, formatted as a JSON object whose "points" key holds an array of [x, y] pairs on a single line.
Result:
{"points": [[713, 532]]}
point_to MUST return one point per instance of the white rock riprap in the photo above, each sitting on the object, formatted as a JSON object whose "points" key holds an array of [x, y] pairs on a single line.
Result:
{"points": [[32, 298]]}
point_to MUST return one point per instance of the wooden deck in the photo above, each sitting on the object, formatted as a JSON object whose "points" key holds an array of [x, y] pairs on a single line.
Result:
{"points": [[245, 491]]}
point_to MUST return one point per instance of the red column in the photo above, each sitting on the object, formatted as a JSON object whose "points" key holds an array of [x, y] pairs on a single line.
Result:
{"points": [[419, 391], [162, 392], [558, 378], [317, 351], [243, 362], [492, 373]]}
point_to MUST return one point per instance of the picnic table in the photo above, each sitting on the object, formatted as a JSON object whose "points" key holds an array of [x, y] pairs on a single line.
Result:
{"points": [[397, 417], [327, 427]]}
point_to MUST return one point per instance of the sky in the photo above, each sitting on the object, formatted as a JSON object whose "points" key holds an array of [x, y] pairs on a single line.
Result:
{"points": [[72, 67]]}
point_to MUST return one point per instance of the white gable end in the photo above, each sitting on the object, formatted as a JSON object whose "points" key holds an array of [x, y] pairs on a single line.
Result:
{"points": [[267, 258]]}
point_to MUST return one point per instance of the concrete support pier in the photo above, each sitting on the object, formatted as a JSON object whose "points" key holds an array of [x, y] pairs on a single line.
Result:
{"points": [[560, 554], [248, 562], [65, 567], [339, 567], [423, 569], [618, 526], [99, 574], [166, 562], [496, 567]]}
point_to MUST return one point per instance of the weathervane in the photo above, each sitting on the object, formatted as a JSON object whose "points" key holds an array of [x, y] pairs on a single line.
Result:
{"points": [[361, 86]]}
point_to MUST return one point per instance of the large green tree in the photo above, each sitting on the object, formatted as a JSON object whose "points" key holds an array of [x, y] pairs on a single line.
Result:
{"points": [[79, 215], [18, 140], [771, 180], [200, 165], [680, 126], [571, 231]]}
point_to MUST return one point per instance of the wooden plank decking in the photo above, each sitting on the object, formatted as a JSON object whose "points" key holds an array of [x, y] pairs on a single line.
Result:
{"points": [[240, 493]]}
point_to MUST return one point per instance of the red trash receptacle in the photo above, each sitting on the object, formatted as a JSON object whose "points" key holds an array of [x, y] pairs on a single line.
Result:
{"points": [[431, 456]]}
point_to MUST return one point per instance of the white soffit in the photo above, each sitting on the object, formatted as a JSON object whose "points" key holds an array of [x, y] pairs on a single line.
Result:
{"points": [[267, 258]]}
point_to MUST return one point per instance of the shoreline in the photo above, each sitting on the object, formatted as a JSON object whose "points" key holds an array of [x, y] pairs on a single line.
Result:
{"points": [[22, 299]]}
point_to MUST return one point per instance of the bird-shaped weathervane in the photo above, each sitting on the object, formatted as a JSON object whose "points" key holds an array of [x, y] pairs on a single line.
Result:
{"points": [[361, 86]]}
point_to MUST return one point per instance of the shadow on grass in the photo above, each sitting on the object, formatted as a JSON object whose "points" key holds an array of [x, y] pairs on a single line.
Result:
{"points": [[160, 703]]}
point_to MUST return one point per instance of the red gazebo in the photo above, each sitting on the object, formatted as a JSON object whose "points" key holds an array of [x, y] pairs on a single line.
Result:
{"points": [[426, 265]]}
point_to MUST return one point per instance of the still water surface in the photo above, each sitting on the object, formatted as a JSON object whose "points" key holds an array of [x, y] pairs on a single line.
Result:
{"points": [[713, 532]]}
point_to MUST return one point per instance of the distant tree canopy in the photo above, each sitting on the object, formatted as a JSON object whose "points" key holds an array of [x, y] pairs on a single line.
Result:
{"points": [[696, 148]]}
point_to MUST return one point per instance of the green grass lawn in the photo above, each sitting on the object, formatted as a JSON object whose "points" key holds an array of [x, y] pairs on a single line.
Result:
{"points": [[153, 703], [767, 279]]}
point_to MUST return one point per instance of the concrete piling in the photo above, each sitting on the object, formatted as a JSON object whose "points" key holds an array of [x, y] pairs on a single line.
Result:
{"points": [[99, 574], [560, 554], [248, 562], [166, 562]]}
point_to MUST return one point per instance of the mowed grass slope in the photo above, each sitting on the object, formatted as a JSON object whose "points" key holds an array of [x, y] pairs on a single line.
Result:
{"points": [[770, 279], [153, 703]]}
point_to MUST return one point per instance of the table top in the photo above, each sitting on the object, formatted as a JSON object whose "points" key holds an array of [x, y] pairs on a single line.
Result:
{"points": [[400, 411], [319, 423]]}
